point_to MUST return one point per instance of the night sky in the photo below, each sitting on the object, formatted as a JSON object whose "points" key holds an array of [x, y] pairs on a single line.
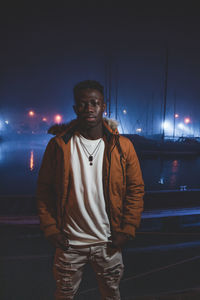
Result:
{"points": [[47, 48]]}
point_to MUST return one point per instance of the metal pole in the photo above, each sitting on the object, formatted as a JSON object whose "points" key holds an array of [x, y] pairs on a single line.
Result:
{"points": [[109, 89], [116, 96], [165, 93], [174, 127], [106, 91]]}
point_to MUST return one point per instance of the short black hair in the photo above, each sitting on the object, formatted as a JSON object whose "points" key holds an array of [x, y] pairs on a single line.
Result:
{"points": [[87, 84]]}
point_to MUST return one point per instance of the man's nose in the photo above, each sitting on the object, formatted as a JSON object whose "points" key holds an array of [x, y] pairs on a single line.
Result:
{"points": [[89, 107]]}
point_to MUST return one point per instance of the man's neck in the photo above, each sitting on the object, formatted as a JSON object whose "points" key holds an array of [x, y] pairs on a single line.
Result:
{"points": [[92, 133]]}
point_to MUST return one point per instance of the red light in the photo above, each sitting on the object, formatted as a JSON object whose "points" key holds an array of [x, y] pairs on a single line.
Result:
{"points": [[187, 120], [57, 119], [31, 113], [44, 119]]}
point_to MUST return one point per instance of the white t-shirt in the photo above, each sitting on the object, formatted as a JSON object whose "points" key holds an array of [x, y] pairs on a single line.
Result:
{"points": [[86, 220]]}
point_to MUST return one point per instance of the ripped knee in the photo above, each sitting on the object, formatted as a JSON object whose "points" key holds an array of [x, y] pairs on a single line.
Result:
{"points": [[63, 274], [112, 274]]}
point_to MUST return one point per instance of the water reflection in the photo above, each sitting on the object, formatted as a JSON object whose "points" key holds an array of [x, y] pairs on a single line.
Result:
{"points": [[175, 165], [31, 163], [20, 161], [161, 179], [175, 169]]}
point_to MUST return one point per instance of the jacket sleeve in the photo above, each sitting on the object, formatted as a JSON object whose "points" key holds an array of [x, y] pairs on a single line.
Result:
{"points": [[133, 202], [46, 197]]}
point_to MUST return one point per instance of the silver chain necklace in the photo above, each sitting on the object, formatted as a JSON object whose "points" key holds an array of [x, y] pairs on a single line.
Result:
{"points": [[89, 155]]}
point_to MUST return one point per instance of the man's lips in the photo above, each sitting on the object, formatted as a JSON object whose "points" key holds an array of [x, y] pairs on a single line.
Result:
{"points": [[90, 118]]}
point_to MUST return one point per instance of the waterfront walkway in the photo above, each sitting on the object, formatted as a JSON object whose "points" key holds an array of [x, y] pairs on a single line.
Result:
{"points": [[157, 266], [162, 263]]}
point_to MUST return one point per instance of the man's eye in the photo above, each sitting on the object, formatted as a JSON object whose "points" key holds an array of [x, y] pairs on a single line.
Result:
{"points": [[94, 102]]}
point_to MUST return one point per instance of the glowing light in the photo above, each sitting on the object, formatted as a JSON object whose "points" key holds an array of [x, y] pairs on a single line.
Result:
{"points": [[181, 126], [176, 115], [166, 125], [7, 122], [44, 119], [187, 120], [57, 119], [124, 111], [31, 113], [139, 130], [31, 161], [184, 129], [161, 180], [105, 113]]}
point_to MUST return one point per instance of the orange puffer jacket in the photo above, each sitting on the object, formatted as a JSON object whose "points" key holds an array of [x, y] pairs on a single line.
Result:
{"points": [[122, 180]]}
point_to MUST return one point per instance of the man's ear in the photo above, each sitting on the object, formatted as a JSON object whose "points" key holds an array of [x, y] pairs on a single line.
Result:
{"points": [[104, 106]]}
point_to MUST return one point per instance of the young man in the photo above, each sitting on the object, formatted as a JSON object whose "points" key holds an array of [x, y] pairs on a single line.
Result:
{"points": [[90, 195]]}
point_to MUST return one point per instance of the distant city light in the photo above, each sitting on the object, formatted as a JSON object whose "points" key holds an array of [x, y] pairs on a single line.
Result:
{"points": [[166, 125], [44, 119], [176, 115], [184, 129], [124, 111], [31, 113], [181, 126], [105, 113], [7, 122], [187, 120], [57, 119], [139, 130]]}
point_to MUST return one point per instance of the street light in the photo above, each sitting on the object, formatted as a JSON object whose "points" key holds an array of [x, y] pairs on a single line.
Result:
{"points": [[58, 119], [181, 126], [139, 130], [124, 111], [31, 113], [166, 125], [176, 116], [187, 120]]}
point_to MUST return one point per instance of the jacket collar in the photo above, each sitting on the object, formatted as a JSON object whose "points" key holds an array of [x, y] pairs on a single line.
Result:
{"points": [[66, 131]]}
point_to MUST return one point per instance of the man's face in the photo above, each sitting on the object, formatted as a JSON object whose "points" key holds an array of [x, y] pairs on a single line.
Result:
{"points": [[89, 107]]}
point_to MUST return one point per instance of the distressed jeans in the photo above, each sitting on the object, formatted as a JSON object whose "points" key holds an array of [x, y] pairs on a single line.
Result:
{"points": [[68, 270]]}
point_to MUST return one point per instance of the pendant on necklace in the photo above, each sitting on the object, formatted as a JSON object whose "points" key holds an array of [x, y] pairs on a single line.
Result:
{"points": [[90, 160]]}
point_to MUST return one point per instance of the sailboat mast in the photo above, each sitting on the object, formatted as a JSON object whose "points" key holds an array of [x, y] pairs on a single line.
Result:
{"points": [[174, 127], [106, 89], [116, 93], [109, 87], [165, 93]]}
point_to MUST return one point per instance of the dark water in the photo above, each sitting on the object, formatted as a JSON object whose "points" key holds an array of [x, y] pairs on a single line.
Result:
{"points": [[20, 161]]}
